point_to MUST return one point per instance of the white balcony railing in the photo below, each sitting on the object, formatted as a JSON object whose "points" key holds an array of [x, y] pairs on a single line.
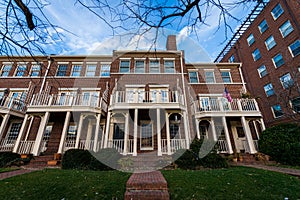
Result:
{"points": [[12, 103], [214, 104], [7, 145], [175, 144], [26, 147], [68, 100], [146, 97]]}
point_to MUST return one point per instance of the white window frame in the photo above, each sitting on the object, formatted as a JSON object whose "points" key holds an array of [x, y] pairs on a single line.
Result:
{"points": [[129, 63], [169, 69], [281, 61], [74, 66], [284, 82], [273, 111], [105, 69], [250, 39], [156, 67], [213, 76], [33, 70], [231, 59], [269, 87], [6, 71], [279, 11], [286, 28], [196, 80], [138, 67], [88, 70], [58, 71], [255, 54], [21, 71], [270, 43], [291, 51], [260, 72], [229, 72], [150, 124], [261, 28]]}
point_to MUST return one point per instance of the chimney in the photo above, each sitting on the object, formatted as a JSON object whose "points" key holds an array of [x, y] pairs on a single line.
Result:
{"points": [[171, 43]]}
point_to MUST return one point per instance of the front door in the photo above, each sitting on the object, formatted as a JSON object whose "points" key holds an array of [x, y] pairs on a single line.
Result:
{"points": [[146, 138], [239, 138]]}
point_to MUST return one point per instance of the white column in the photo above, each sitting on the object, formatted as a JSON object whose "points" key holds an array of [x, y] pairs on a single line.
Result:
{"points": [[64, 132], [263, 127], [213, 129], [248, 135], [255, 128], [135, 132], [197, 128], [230, 151], [22, 130], [97, 132], [89, 134], [4, 124], [186, 130], [79, 131], [107, 128], [126, 134], [29, 128], [158, 130], [168, 134], [40, 133]]}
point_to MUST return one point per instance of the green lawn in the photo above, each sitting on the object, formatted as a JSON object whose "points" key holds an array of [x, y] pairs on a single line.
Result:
{"points": [[8, 169], [65, 184], [232, 183]]}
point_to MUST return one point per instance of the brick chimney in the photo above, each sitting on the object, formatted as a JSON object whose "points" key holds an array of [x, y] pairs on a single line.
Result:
{"points": [[171, 43]]}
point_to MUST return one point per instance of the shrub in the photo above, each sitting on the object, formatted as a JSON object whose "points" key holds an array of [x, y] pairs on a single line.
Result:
{"points": [[214, 161], [6, 158], [282, 143], [83, 159]]}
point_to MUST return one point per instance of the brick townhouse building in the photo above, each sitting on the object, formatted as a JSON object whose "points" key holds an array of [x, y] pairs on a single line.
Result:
{"points": [[268, 45], [134, 101]]}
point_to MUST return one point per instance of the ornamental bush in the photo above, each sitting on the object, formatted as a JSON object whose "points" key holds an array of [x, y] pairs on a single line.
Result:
{"points": [[282, 143], [84, 160], [6, 158]]}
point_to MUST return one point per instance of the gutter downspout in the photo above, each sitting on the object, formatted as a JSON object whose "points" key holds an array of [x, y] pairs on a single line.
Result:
{"points": [[46, 73], [242, 78]]}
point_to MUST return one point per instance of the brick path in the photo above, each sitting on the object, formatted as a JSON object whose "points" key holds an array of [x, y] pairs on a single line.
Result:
{"points": [[5, 175], [147, 186], [294, 172]]}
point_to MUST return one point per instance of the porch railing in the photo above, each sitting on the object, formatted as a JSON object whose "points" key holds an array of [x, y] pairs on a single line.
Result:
{"points": [[221, 104], [222, 146], [26, 147], [12, 103], [146, 97], [175, 144], [117, 144], [246, 146], [68, 100], [7, 145]]}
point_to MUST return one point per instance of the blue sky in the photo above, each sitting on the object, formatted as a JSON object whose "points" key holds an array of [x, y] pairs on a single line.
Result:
{"points": [[87, 34]]}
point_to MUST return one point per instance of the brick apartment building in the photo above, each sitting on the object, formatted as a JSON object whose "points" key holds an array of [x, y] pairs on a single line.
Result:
{"points": [[134, 101], [268, 46]]}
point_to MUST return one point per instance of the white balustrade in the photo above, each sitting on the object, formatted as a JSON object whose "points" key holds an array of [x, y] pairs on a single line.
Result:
{"points": [[222, 146], [26, 147], [12, 103], [117, 144], [7, 145]]}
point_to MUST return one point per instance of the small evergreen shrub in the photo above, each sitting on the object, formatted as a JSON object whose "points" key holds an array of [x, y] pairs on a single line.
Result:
{"points": [[214, 161], [282, 143], [83, 159], [6, 158]]}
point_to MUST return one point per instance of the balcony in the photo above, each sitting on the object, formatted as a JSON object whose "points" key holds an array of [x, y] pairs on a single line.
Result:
{"points": [[146, 99], [12, 106], [56, 102], [221, 107]]}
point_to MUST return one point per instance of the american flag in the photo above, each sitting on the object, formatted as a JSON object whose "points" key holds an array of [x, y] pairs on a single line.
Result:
{"points": [[227, 95]]}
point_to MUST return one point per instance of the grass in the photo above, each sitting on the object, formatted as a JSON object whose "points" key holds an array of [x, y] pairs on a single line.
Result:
{"points": [[65, 184], [8, 169], [231, 183]]}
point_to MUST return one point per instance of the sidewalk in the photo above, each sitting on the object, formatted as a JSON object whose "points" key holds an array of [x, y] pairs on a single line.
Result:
{"points": [[293, 172], [5, 175]]}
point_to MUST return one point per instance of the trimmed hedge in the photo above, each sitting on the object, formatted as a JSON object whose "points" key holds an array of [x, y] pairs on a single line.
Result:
{"points": [[282, 143], [84, 160], [192, 158], [7, 158]]}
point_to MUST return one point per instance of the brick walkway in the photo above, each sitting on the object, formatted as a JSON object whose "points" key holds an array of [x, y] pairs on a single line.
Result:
{"points": [[294, 172], [147, 186], [5, 175]]}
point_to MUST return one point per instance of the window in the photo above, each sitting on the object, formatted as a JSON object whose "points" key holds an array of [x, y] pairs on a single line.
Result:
{"points": [[13, 132], [277, 112], [62, 70], [209, 77], [295, 48], [119, 131], [262, 71], [296, 104], [269, 89], [286, 80], [256, 54], [72, 131], [278, 60], [105, 70], [154, 66], [20, 70], [270, 42], [5, 70], [250, 39], [76, 70], [169, 66], [226, 77], [263, 26], [35, 70], [90, 70], [193, 76], [139, 66], [277, 11], [174, 130], [231, 59], [125, 66], [286, 28]]}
